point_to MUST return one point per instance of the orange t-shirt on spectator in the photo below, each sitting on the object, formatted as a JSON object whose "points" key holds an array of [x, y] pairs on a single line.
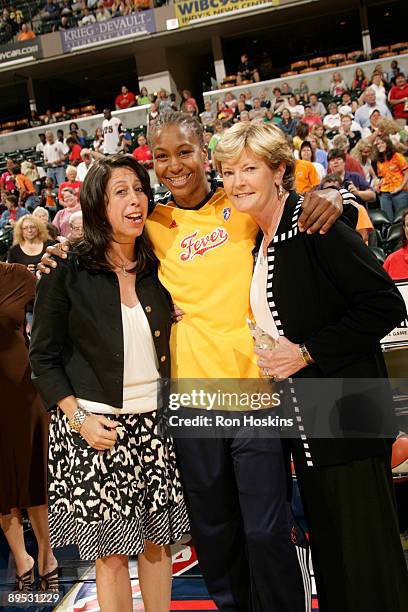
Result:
{"points": [[25, 36], [391, 172], [306, 177], [24, 184], [75, 185]]}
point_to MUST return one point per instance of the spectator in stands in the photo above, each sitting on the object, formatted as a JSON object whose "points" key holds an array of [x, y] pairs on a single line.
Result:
{"points": [[296, 110], [241, 108], [364, 224], [30, 240], [43, 214], [278, 102], [306, 177], [392, 170], [247, 71], [25, 33], [54, 158], [320, 155], [352, 165], [72, 181], [363, 113], [49, 117], [126, 99], [286, 90], [395, 70], [337, 85], [35, 121], [371, 131], [49, 195], [66, 8], [248, 104], [87, 18], [102, 13], [352, 181], [51, 10], [345, 129], [98, 140], [244, 115], [6, 31], [71, 204], [306, 153], [74, 154], [287, 124], [163, 101], [188, 100], [40, 146], [303, 92], [310, 118], [397, 134], [13, 213], [346, 100], [258, 112], [218, 132], [360, 81], [26, 189], [60, 136], [11, 22], [396, 264], [63, 24], [208, 115], [143, 97], [75, 133], [318, 108], [377, 86], [332, 120], [302, 132], [29, 169], [321, 138], [7, 181], [76, 226], [153, 113], [86, 163], [362, 153], [143, 153], [230, 101], [398, 99], [263, 96], [112, 133]]}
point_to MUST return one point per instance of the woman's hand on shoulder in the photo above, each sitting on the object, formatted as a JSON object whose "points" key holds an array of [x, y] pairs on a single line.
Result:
{"points": [[321, 209], [99, 431], [59, 251], [177, 313]]}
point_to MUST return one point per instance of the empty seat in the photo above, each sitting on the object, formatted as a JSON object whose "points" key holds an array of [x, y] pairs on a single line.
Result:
{"points": [[316, 62], [336, 58], [357, 56], [399, 47], [379, 253], [299, 65], [393, 239], [399, 214], [380, 221]]}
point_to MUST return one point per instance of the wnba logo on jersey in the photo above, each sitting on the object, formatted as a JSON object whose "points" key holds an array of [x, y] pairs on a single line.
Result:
{"points": [[199, 246]]}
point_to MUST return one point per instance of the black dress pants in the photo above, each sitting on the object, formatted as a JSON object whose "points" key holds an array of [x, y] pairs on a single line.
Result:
{"points": [[241, 524], [357, 555]]}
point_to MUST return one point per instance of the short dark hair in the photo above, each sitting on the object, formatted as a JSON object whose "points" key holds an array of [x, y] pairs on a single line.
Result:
{"points": [[335, 154], [71, 140], [176, 118], [92, 250], [16, 168], [11, 198], [331, 178], [307, 144], [302, 130]]}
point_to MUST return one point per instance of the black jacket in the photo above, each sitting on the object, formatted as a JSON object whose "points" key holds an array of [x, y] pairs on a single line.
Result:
{"points": [[330, 293], [77, 339]]}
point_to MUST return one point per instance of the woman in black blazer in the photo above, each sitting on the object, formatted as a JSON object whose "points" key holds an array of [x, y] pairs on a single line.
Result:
{"points": [[328, 304], [99, 346]]}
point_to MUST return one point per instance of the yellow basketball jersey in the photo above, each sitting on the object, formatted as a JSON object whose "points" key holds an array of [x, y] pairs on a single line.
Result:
{"points": [[206, 265]]}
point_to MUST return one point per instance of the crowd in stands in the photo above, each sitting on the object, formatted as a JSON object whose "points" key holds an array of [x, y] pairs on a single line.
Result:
{"points": [[354, 136]]}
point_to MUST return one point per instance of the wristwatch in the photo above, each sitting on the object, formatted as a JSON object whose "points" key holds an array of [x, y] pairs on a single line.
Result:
{"points": [[78, 419], [307, 358]]}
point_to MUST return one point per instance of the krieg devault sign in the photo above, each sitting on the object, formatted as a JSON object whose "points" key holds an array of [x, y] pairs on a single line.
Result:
{"points": [[398, 337], [20, 50], [118, 27], [190, 10]]}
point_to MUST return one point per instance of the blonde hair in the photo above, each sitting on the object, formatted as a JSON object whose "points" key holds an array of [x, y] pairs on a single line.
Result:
{"points": [[364, 143], [42, 231], [71, 169], [264, 141], [388, 126]]}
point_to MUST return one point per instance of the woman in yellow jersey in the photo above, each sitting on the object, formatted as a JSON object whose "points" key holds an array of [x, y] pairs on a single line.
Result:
{"points": [[347, 305], [235, 488]]}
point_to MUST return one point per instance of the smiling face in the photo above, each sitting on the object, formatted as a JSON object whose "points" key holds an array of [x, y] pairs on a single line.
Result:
{"points": [[69, 200], [127, 205], [179, 164], [249, 183], [29, 230], [381, 145]]}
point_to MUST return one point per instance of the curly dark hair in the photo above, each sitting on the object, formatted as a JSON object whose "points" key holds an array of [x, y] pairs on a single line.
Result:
{"points": [[92, 250], [389, 151]]}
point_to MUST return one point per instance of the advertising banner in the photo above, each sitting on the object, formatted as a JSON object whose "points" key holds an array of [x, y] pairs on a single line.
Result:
{"points": [[92, 34], [193, 10], [20, 51], [398, 337]]}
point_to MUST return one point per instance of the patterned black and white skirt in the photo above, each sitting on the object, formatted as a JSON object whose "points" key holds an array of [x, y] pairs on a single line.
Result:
{"points": [[110, 502]]}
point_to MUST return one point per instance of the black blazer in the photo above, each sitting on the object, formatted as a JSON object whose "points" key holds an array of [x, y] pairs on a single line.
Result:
{"points": [[330, 293], [77, 338]]}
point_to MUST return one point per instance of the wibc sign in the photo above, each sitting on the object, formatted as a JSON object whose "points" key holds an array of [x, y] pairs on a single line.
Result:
{"points": [[90, 35], [20, 51], [188, 11]]}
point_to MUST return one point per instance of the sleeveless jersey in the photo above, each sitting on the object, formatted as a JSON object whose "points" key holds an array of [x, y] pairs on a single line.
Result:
{"points": [[206, 264]]}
